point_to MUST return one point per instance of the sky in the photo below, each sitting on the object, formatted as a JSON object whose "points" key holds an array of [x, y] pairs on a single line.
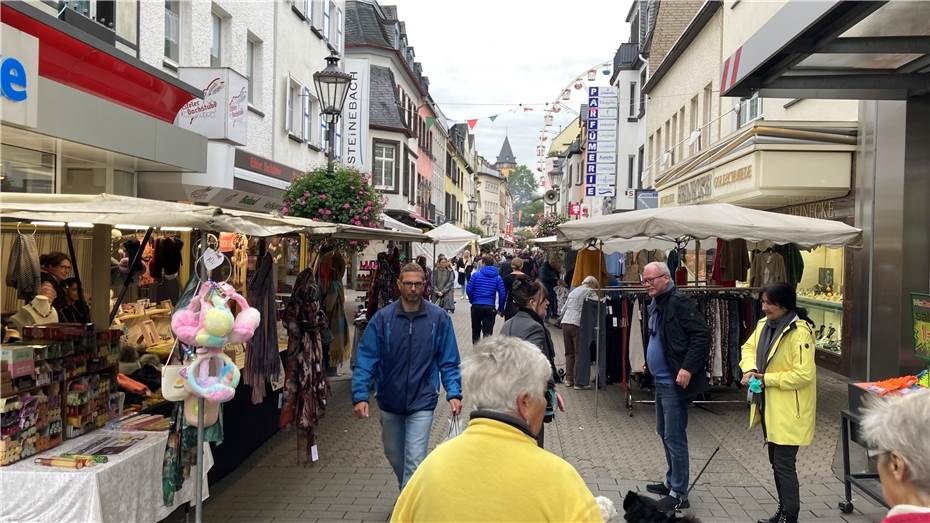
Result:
{"points": [[485, 57]]}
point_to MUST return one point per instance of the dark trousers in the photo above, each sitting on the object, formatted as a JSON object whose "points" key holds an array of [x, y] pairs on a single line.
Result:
{"points": [[552, 311], [672, 427], [570, 337], [482, 321], [783, 459]]}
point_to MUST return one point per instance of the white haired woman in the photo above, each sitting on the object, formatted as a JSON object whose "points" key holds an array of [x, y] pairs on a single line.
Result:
{"points": [[897, 429], [571, 325], [494, 471]]}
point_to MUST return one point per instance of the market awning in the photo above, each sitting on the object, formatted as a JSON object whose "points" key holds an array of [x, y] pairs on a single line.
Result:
{"points": [[397, 225], [835, 49], [715, 220], [354, 232], [489, 239]]}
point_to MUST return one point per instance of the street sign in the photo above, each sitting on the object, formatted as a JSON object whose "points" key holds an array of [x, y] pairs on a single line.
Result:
{"points": [[600, 157], [647, 199]]}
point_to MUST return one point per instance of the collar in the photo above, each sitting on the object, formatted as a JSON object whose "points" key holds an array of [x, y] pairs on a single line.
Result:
{"points": [[506, 419], [532, 314], [402, 312], [898, 510]]}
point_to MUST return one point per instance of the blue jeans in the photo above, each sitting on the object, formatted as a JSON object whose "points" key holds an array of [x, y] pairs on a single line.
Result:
{"points": [[672, 427], [406, 441]]}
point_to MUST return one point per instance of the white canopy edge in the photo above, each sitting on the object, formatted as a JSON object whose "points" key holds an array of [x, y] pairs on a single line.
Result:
{"points": [[489, 239], [397, 225], [448, 232]]}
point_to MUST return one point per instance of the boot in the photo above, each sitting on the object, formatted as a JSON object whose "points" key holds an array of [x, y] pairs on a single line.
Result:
{"points": [[787, 518], [774, 519]]}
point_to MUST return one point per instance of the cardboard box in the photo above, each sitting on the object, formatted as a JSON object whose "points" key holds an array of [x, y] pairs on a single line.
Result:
{"points": [[19, 359]]}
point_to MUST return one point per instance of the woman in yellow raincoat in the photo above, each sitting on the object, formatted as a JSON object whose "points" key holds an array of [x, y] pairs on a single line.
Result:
{"points": [[778, 366]]}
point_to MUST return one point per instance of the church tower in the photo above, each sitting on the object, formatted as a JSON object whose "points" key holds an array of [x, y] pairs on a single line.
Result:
{"points": [[506, 163]]}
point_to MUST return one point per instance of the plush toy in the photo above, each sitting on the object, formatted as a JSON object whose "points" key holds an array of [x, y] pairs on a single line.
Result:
{"points": [[217, 388], [208, 322]]}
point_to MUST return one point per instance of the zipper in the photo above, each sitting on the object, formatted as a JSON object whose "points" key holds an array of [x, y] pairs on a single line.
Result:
{"points": [[409, 349], [797, 404]]}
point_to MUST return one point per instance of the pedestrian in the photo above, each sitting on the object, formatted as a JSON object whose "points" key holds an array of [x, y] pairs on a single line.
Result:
{"points": [[76, 310], [56, 268], [571, 325], [464, 267], [482, 289], [494, 471], [505, 265], [428, 273], [510, 308], [779, 356], [549, 275], [679, 343], [897, 429], [530, 267], [527, 324], [444, 285], [406, 348]]}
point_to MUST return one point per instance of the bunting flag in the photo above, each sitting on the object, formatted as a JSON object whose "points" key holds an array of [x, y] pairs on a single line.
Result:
{"points": [[472, 123], [430, 120], [525, 109], [493, 117]]}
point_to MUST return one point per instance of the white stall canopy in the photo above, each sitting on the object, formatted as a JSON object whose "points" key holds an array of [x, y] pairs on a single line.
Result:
{"points": [[715, 220], [448, 240]]}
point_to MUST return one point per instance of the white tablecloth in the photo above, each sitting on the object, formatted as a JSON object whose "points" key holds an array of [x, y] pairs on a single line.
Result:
{"points": [[127, 489]]}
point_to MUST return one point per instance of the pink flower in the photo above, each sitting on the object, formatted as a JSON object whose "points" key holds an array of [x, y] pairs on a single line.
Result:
{"points": [[322, 197], [284, 209], [321, 210], [306, 194], [346, 206]]}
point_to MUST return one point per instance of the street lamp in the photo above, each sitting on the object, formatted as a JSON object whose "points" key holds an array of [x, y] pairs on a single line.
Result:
{"points": [[472, 207], [332, 86]]}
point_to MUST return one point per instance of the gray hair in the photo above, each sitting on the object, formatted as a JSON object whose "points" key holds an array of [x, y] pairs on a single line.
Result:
{"points": [[590, 281], [499, 369], [900, 425], [662, 267]]}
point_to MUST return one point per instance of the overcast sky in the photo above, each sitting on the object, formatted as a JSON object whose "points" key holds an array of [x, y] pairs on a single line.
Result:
{"points": [[510, 52]]}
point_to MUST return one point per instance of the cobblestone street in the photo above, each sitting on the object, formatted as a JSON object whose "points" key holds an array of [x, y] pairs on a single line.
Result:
{"points": [[613, 451]]}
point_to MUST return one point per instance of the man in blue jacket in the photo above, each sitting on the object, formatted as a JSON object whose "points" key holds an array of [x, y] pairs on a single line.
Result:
{"points": [[406, 347], [481, 290]]}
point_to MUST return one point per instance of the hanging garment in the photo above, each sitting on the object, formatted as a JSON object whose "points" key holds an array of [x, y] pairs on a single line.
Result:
{"points": [[616, 341], [768, 267], [717, 272], [587, 349], [239, 259], [332, 269], [794, 262], [181, 451], [306, 384], [147, 277], [672, 261], [734, 260], [589, 262], [614, 263], [23, 268], [637, 345], [263, 361]]}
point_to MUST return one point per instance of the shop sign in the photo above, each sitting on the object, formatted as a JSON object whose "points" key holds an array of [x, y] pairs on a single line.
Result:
{"points": [[19, 77], [601, 142], [574, 209], [667, 199], [696, 190], [235, 199], [221, 114], [920, 317], [355, 114], [254, 163], [647, 199], [836, 209]]}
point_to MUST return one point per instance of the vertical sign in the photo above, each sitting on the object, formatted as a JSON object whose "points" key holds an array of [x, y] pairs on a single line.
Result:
{"points": [[355, 114], [221, 114], [601, 138]]}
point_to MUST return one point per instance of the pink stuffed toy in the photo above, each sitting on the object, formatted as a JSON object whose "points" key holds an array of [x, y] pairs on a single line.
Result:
{"points": [[207, 321]]}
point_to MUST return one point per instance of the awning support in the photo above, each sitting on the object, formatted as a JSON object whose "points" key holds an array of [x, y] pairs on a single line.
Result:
{"points": [[74, 264]]}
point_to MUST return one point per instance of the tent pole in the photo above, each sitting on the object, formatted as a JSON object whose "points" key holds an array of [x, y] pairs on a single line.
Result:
{"points": [[597, 328], [201, 405]]}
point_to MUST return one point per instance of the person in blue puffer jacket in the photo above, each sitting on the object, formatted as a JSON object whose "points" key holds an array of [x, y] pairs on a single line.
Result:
{"points": [[482, 288], [406, 348]]}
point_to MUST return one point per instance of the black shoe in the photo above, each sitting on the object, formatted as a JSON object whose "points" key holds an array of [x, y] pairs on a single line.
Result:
{"points": [[670, 504], [658, 488], [773, 519]]}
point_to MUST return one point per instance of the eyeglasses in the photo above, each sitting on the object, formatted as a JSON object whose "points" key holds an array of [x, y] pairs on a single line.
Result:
{"points": [[650, 281], [63, 266], [412, 284]]}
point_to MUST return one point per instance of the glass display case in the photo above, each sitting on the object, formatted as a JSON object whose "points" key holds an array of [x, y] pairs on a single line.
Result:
{"points": [[820, 291]]}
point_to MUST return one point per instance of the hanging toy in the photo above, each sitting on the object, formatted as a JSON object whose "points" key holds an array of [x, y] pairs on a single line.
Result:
{"points": [[217, 388]]}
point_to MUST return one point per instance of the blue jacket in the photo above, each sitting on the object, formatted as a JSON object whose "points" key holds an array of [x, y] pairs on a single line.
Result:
{"points": [[483, 285], [406, 359]]}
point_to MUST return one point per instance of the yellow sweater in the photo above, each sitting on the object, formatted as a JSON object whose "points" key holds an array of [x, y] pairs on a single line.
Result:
{"points": [[494, 471]]}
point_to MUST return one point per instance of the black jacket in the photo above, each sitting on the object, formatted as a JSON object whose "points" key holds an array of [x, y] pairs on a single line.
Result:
{"points": [[685, 338]]}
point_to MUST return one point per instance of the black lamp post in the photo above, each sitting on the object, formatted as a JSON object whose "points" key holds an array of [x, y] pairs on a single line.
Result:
{"points": [[332, 86]]}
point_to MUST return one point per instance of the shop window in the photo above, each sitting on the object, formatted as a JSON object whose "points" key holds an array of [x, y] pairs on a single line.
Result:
{"points": [[84, 180], [253, 67], [26, 170], [384, 166], [216, 44], [750, 109], [323, 136], [124, 183], [172, 29]]}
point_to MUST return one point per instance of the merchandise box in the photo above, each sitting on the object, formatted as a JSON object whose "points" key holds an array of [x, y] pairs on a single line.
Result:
{"points": [[18, 359]]}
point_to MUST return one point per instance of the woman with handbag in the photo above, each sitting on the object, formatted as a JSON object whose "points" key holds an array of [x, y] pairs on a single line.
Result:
{"points": [[532, 299]]}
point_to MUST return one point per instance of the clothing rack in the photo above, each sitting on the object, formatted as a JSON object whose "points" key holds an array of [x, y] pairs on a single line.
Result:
{"points": [[639, 289]]}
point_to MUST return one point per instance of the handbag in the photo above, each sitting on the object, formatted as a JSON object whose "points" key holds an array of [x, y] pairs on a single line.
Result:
{"points": [[172, 384], [551, 402], [456, 426]]}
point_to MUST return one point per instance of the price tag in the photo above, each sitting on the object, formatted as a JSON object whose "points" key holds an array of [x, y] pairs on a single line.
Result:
{"points": [[212, 259], [615, 321], [314, 454]]}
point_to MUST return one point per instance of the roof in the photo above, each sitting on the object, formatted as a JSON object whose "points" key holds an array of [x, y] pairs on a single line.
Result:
{"points": [[383, 107], [364, 25], [506, 154], [704, 14]]}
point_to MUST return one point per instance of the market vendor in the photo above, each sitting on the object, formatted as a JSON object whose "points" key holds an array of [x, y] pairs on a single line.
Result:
{"points": [[56, 268]]}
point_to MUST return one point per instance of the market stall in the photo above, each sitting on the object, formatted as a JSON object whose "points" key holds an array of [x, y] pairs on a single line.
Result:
{"points": [[447, 240]]}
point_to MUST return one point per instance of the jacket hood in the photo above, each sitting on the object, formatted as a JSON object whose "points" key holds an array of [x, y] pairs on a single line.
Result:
{"points": [[490, 271]]}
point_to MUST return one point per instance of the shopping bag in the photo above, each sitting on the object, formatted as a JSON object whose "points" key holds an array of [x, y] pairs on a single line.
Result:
{"points": [[456, 426]]}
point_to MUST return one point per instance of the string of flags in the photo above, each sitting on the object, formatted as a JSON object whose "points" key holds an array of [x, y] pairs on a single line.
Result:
{"points": [[473, 122]]}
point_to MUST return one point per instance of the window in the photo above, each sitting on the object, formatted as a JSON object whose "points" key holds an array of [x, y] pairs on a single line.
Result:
{"points": [[324, 137], [750, 109], [327, 8], [340, 27], [305, 117], [632, 99], [217, 42], [693, 138], [673, 138], [294, 121], [253, 62], [631, 166], [639, 169], [337, 149], [642, 95], [651, 152], [680, 142], [707, 112], [304, 9], [26, 170], [172, 29], [385, 165]]}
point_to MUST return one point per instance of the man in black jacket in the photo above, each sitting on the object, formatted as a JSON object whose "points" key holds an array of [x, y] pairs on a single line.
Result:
{"points": [[679, 343]]}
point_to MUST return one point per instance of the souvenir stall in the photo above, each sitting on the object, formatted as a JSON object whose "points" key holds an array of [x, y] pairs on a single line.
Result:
{"points": [[727, 308], [65, 375], [365, 264]]}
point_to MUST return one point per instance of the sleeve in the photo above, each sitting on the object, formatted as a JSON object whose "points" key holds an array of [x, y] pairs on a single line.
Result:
{"points": [[692, 322], [538, 338], [501, 294], [449, 361], [470, 288], [48, 290], [578, 501], [367, 362], [803, 368], [748, 361], [450, 285]]}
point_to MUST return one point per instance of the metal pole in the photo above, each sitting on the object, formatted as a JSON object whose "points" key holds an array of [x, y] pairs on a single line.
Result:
{"points": [[198, 481], [331, 145], [74, 264], [597, 328]]}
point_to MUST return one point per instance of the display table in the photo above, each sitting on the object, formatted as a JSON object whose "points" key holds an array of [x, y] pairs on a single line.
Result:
{"points": [[126, 488]]}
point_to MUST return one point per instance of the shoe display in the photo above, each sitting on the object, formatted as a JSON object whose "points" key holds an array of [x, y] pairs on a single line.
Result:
{"points": [[658, 488], [671, 503]]}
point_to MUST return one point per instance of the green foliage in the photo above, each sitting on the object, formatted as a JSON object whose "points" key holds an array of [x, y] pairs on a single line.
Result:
{"points": [[547, 225], [523, 185], [345, 196], [475, 230], [532, 212]]}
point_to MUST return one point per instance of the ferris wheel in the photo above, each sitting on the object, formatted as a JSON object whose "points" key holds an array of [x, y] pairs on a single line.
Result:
{"points": [[563, 102]]}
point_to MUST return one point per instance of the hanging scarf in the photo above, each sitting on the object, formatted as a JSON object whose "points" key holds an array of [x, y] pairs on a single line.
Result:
{"points": [[767, 337], [263, 361]]}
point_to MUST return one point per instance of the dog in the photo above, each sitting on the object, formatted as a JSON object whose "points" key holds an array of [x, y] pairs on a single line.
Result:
{"points": [[643, 509]]}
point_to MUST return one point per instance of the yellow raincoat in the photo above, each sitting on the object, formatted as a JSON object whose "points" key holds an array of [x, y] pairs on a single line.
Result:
{"points": [[790, 384]]}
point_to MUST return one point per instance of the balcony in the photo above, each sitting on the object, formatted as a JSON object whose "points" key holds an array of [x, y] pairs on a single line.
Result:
{"points": [[626, 57]]}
